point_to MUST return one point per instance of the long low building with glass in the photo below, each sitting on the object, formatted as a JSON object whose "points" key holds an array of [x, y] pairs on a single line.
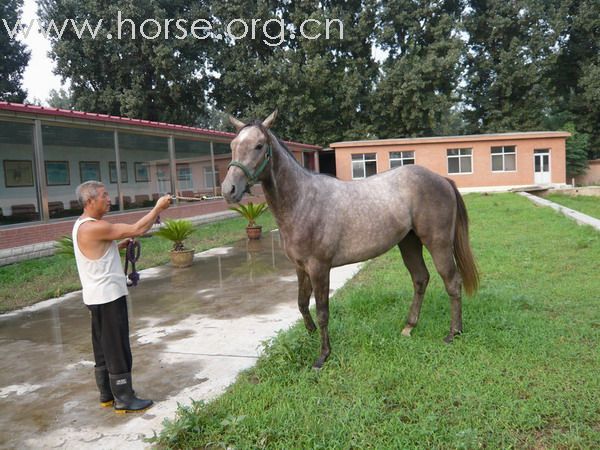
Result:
{"points": [[46, 153]]}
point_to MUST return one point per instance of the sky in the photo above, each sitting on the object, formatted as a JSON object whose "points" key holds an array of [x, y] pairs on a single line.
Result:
{"points": [[38, 78]]}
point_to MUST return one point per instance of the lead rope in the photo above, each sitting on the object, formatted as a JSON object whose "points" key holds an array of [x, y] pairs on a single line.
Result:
{"points": [[132, 254]]}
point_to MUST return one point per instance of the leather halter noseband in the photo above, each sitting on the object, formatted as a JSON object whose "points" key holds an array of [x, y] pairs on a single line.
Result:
{"points": [[252, 177]]}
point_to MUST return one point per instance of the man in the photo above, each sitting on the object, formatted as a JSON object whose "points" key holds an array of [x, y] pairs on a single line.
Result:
{"points": [[105, 290]]}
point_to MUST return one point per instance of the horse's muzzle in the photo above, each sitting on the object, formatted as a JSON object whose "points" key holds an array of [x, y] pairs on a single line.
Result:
{"points": [[233, 192]]}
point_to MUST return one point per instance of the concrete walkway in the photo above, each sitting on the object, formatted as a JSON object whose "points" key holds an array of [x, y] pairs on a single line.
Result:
{"points": [[580, 218], [192, 331]]}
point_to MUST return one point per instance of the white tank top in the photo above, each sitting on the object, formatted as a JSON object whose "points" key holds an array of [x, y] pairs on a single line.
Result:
{"points": [[102, 279]]}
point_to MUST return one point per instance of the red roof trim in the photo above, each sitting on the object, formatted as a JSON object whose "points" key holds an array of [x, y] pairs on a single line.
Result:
{"points": [[96, 117]]}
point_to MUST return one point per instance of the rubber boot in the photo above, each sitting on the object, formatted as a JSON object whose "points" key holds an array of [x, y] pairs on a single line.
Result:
{"points": [[125, 399], [103, 383]]}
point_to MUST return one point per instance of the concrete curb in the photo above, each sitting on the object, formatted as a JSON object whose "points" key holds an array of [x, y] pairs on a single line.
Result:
{"points": [[580, 218]]}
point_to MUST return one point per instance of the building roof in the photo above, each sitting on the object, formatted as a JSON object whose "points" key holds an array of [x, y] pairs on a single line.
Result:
{"points": [[105, 119], [449, 139]]}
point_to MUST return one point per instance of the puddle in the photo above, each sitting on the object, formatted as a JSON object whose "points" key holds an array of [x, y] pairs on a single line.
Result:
{"points": [[178, 319]]}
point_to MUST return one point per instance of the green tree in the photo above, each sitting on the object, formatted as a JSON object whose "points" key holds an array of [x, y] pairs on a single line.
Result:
{"points": [[576, 69], [577, 151], [156, 79], [322, 86], [508, 63], [415, 92], [14, 55], [60, 99]]}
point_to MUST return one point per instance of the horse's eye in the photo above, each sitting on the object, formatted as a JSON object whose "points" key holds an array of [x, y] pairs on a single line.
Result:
{"points": [[258, 147]]}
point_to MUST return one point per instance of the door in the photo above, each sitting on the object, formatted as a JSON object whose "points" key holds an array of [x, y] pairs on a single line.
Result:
{"points": [[541, 164]]}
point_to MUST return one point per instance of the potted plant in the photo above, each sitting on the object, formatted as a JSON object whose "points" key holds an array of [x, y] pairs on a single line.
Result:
{"points": [[177, 231], [251, 212]]}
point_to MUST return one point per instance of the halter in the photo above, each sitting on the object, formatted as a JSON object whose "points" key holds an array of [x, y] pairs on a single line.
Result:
{"points": [[250, 176]]}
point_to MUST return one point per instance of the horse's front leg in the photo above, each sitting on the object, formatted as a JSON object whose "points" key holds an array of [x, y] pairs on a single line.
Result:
{"points": [[304, 291], [319, 277]]}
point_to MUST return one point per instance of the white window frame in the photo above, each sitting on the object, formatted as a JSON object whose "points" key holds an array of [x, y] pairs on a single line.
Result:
{"points": [[362, 162], [502, 154], [460, 156], [405, 155]]}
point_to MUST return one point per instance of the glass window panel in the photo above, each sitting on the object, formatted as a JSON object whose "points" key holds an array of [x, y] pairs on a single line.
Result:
{"points": [[452, 151], [370, 168], [72, 156], [497, 163], [409, 161], [358, 157], [18, 193], [537, 163], [453, 165], [496, 149], [465, 164], [370, 156], [395, 155], [196, 157], [358, 170], [395, 163], [147, 159], [546, 159], [510, 162]]}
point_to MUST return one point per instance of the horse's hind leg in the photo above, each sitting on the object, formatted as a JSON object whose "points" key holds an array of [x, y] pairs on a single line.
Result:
{"points": [[304, 291], [412, 254], [443, 259], [319, 278]]}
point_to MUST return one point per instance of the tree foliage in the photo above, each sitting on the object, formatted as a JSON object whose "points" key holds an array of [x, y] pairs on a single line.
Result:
{"points": [[156, 79], [415, 89], [401, 67], [14, 55]]}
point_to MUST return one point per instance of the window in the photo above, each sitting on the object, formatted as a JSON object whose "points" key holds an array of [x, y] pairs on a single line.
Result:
{"points": [[504, 158], [184, 177], [210, 176], [459, 160], [364, 165], [398, 159]]}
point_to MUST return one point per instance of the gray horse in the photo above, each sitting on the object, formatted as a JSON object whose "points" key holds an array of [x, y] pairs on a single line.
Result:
{"points": [[325, 222]]}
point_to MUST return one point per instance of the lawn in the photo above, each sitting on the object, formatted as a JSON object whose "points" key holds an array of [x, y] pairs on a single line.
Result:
{"points": [[28, 282], [589, 205], [523, 375]]}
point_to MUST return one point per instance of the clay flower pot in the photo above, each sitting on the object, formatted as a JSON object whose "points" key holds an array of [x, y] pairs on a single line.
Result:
{"points": [[254, 232], [182, 258]]}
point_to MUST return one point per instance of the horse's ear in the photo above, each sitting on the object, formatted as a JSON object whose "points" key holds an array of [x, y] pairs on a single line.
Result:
{"points": [[238, 124], [269, 120]]}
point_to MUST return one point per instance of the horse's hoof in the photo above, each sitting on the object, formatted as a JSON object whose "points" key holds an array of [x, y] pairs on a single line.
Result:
{"points": [[407, 330], [448, 339]]}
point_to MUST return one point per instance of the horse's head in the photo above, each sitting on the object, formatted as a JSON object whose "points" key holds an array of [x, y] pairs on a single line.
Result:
{"points": [[250, 154]]}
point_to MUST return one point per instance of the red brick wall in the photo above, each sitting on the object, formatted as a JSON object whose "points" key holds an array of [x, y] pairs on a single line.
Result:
{"points": [[36, 233]]}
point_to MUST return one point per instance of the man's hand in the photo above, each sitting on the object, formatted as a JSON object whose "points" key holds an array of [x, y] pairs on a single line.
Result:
{"points": [[164, 202], [124, 243]]}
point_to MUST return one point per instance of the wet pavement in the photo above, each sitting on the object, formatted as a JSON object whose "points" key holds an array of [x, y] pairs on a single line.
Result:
{"points": [[192, 331]]}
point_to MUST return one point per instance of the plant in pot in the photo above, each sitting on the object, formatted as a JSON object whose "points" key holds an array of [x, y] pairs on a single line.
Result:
{"points": [[251, 212], [177, 231]]}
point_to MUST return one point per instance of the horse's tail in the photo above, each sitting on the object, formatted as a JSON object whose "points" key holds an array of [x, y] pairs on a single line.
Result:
{"points": [[462, 248]]}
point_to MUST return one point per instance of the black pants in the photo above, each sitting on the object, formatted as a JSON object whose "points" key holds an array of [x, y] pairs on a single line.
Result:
{"points": [[110, 336]]}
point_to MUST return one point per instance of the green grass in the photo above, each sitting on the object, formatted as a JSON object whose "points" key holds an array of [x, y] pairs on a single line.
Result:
{"points": [[523, 375], [589, 205], [29, 282]]}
